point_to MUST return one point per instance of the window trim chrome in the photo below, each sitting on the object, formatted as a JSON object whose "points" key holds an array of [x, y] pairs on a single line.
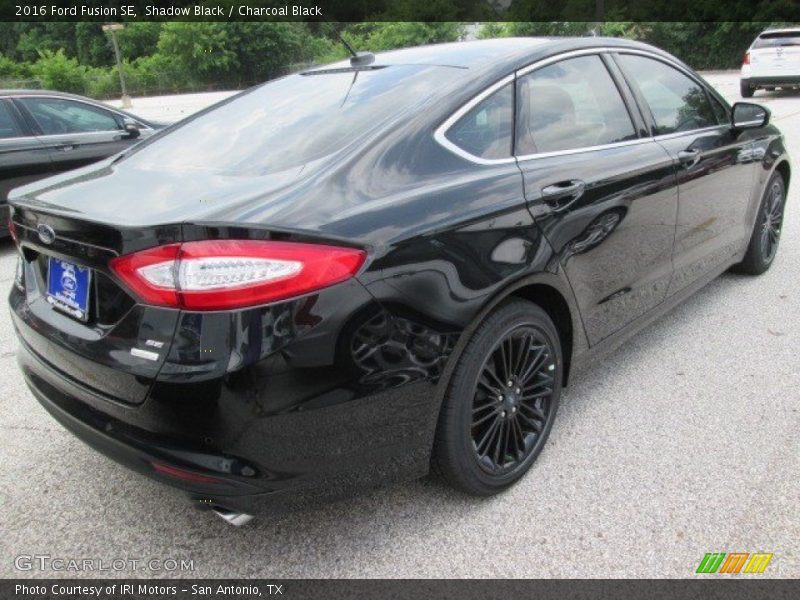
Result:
{"points": [[440, 132]]}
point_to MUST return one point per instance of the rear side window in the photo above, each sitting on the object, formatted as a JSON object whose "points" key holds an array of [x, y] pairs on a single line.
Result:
{"points": [[570, 104], [485, 131], [8, 124], [777, 38], [56, 115], [677, 102]]}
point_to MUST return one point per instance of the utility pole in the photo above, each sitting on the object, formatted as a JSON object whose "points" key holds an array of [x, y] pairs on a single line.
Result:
{"points": [[599, 16], [113, 28]]}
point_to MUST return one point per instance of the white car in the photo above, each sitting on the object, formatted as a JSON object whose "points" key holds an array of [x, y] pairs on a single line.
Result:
{"points": [[773, 60]]}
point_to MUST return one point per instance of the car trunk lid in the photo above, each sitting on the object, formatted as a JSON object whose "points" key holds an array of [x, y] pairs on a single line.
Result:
{"points": [[117, 347]]}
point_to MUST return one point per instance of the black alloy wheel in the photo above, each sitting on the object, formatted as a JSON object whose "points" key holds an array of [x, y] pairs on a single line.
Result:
{"points": [[511, 404], [772, 219], [767, 229], [502, 400]]}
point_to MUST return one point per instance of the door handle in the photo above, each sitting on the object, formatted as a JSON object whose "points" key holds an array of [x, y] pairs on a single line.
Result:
{"points": [[559, 196], [689, 158], [66, 147]]}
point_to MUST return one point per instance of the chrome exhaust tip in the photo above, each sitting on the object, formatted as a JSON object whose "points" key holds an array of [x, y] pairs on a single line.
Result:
{"points": [[235, 518]]}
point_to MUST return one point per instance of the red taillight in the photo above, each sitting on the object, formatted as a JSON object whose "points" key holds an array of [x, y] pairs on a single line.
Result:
{"points": [[224, 274], [746, 59], [12, 229]]}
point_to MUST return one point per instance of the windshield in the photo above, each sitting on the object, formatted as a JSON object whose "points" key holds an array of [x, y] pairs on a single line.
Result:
{"points": [[778, 38], [289, 122]]}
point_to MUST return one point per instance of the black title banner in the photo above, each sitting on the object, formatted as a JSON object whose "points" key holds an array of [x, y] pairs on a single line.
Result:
{"points": [[777, 11], [663, 589]]}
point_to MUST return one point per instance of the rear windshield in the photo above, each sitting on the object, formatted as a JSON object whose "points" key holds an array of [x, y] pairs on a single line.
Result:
{"points": [[777, 38], [291, 121]]}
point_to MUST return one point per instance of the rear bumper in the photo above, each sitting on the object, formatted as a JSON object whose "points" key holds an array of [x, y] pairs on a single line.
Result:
{"points": [[218, 475], [762, 80], [227, 454]]}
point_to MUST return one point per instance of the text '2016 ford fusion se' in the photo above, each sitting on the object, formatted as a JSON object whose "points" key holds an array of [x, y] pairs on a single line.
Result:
{"points": [[347, 275]]}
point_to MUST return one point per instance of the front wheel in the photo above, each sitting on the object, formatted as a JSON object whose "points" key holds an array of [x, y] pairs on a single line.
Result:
{"points": [[767, 230], [745, 89], [501, 402]]}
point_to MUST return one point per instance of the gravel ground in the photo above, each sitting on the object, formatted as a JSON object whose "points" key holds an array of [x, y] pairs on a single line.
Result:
{"points": [[681, 443]]}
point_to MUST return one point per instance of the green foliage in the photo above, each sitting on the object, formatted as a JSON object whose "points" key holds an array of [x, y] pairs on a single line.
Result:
{"points": [[203, 49], [44, 37], [139, 39], [178, 56], [701, 45], [706, 45], [267, 50], [57, 71], [12, 70], [381, 36], [92, 46]]}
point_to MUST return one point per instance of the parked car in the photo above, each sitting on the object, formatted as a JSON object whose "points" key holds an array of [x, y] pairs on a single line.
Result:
{"points": [[42, 133], [773, 60], [338, 277]]}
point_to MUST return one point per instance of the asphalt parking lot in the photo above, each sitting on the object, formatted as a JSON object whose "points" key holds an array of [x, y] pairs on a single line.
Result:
{"points": [[685, 441]]}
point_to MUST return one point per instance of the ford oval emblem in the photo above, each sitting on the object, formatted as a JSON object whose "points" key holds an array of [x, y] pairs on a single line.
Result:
{"points": [[46, 234]]}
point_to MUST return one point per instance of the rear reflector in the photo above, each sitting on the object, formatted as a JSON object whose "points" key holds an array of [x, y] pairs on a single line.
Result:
{"points": [[225, 274], [183, 475]]}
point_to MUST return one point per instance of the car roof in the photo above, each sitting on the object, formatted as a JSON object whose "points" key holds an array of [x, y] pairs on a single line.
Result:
{"points": [[780, 30], [493, 54], [43, 93]]}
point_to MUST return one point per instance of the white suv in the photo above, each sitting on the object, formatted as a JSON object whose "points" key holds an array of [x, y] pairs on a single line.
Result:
{"points": [[773, 60]]}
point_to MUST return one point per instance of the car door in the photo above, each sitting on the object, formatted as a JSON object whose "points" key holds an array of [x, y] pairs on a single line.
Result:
{"points": [[715, 165], [601, 189], [23, 158], [76, 133]]}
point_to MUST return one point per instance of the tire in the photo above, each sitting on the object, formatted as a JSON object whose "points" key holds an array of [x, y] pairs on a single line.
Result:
{"points": [[766, 234], [518, 338], [745, 89]]}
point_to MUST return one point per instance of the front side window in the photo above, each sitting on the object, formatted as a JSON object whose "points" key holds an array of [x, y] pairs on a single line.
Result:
{"points": [[485, 131], [57, 115], [570, 104], [677, 102], [8, 124], [721, 111]]}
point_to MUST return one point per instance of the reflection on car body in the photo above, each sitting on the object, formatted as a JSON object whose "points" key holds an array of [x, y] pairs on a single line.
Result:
{"points": [[42, 133]]}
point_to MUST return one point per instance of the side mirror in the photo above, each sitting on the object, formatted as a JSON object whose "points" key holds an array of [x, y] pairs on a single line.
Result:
{"points": [[747, 115], [132, 129]]}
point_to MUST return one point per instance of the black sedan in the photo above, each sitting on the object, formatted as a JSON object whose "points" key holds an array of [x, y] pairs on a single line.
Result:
{"points": [[42, 133], [344, 276]]}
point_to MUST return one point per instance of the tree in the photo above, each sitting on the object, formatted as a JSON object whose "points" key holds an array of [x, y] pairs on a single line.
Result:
{"points": [[203, 50]]}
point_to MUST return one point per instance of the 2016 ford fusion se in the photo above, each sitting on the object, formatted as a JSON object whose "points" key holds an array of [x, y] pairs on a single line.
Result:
{"points": [[347, 275]]}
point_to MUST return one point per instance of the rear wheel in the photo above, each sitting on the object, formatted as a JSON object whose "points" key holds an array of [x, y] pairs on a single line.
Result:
{"points": [[767, 230], [745, 89], [501, 402]]}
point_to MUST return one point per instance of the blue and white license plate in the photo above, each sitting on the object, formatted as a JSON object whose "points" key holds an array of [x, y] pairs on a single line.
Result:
{"points": [[68, 287]]}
